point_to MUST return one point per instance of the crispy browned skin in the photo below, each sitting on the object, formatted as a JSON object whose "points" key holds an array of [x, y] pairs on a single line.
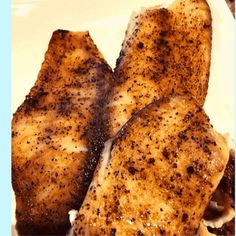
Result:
{"points": [[57, 134], [163, 167], [165, 51]]}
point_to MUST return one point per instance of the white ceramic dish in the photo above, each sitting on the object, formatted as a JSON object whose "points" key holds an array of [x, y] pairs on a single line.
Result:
{"points": [[106, 20]]}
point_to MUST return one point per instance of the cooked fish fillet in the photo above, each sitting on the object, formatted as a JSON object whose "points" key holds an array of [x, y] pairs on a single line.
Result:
{"points": [[57, 134], [159, 175], [164, 51]]}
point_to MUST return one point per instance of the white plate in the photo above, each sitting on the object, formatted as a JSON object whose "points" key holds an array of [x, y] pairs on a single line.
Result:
{"points": [[35, 20]]}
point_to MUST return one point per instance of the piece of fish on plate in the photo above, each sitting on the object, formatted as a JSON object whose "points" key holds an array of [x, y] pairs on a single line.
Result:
{"points": [[158, 174], [57, 134], [166, 50]]}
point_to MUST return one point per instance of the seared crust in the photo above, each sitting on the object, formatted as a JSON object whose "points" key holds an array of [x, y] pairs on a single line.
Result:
{"points": [[165, 51], [164, 165], [58, 133]]}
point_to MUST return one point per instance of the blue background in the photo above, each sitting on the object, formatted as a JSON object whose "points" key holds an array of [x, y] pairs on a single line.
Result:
{"points": [[5, 117]]}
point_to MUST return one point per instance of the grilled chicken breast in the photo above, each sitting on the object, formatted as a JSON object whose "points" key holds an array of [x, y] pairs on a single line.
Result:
{"points": [[164, 51], [159, 174], [57, 134]]}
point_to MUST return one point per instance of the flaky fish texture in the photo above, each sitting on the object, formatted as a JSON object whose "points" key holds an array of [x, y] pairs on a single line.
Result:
{"points": [[57, 134], [165, 51], [159, 174]]}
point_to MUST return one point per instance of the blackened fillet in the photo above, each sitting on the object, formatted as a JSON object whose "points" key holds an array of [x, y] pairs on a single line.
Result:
{"points": [[165, 51], [159, 175], [57, 134]]}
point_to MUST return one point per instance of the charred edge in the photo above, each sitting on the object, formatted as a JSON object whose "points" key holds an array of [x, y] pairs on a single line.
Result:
{"points": [[95, 49], [107, 110], [62, 33], [119, 60], [32, 102], [95, 133]]}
